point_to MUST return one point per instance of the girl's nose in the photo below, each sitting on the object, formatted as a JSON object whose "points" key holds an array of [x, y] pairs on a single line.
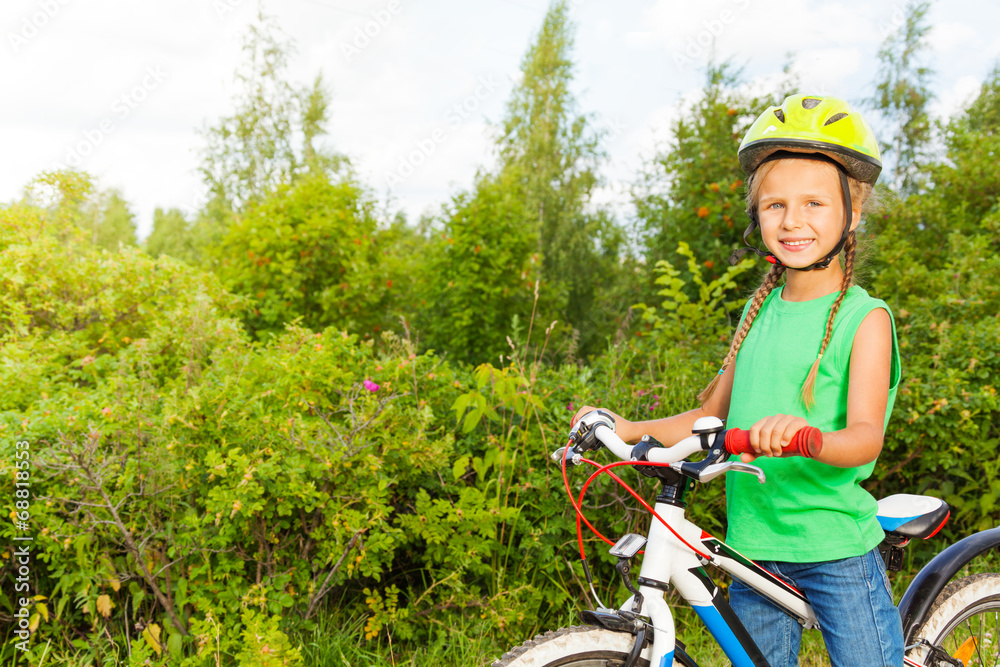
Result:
{"points": [[790, 220]]}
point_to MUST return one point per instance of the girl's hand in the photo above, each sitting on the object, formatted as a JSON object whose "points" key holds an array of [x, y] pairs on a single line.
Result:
{"points": [[622, 425], [771, 434], [589, 408]]}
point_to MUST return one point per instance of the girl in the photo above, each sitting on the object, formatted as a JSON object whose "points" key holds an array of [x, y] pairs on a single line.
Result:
{"points": [[813, 351]]}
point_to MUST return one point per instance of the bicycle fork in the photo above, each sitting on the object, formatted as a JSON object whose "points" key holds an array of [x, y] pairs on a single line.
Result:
{"points": [[677, 565]]}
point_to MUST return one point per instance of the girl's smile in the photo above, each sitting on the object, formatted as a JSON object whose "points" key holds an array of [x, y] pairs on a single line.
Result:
{"points": [[796, 245]]}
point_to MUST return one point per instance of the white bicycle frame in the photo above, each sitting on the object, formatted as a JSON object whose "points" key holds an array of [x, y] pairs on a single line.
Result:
{"points": [[677, 551], [668, 561]]}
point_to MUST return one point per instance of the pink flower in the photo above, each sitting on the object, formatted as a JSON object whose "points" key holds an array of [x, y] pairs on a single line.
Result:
{"points": [[569, 406], [371, 386]]}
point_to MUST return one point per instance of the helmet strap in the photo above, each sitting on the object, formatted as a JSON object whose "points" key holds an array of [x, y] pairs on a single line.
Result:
{"points": [[845, 190], [739, 252]]}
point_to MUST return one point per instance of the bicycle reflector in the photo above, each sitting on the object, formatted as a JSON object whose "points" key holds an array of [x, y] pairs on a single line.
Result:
{"points": [[628, 546]]}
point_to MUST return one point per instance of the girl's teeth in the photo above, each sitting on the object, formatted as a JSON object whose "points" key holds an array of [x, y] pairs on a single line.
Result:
{"points": [[797, 242]]}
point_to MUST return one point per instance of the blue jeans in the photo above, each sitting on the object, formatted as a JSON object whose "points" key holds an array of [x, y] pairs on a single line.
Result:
{"points": [[853, 604]]}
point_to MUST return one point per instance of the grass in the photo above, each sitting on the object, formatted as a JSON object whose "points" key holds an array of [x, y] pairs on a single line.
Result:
{"points": [[333, 643], [336, 641]]}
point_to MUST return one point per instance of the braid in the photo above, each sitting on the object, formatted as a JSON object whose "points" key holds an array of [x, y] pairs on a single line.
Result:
{"points": [[849, 249], [770, 281]]}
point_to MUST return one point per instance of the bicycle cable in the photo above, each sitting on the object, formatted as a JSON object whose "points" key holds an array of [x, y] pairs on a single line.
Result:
{"points": [[579, 529], [579, 512], [605, 468]]}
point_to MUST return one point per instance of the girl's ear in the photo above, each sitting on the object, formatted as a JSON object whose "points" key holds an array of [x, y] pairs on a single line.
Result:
{"points": [[855, 218]]}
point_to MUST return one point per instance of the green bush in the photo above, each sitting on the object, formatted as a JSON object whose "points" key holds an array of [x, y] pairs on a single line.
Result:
{"points": [[192, 486], [310, 251]]}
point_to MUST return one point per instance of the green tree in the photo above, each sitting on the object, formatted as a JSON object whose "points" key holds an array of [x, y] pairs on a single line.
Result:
{"points": [[553, 155], [113, 221], [693, 191], [171, 235], [68, 199], [963, 186], [250, 153], [902, 93], [253, 151], [310, 251], [315, 104], [968, 180], [481, 272], [57, 199]]}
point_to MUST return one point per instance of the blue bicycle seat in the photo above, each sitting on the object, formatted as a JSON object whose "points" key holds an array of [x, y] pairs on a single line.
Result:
{"points": [[912, 516]]}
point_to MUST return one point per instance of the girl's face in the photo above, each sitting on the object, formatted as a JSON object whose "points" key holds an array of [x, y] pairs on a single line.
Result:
{"points": [[801, 211]]}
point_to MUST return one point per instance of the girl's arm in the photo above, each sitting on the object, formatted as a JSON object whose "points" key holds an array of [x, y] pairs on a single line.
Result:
{"points": [[867, 395], [670, 430]]}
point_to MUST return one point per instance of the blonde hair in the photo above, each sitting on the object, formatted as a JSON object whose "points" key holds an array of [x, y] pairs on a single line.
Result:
{"points": [[860, 193]]}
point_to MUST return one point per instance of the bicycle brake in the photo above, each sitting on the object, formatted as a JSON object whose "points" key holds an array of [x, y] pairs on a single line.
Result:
{"points": [[584, 434], [571, 456], [710, 472]]}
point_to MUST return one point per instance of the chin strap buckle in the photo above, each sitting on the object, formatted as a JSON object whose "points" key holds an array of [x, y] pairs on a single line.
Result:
{"points": [[740, 252]]}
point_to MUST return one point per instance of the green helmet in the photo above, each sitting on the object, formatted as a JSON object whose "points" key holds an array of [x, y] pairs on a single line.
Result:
{"points": [[814, 124]]}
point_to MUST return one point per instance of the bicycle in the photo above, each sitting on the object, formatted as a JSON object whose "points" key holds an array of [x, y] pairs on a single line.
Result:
{"points": [[945, 623]]}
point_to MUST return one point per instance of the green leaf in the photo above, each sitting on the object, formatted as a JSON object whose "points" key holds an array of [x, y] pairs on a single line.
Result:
{"points": [[459, 467], [471, 420], [175, 645]]}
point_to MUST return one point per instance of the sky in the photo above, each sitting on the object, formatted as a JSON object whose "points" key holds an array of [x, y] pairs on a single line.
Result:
{"points": [[122, 89]]}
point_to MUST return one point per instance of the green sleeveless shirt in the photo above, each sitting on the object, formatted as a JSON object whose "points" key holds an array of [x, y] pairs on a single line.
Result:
{"points": [[807, 511]]}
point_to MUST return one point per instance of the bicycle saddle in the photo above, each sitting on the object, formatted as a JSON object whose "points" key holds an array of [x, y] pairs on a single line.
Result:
{"points": [[911, 516]]}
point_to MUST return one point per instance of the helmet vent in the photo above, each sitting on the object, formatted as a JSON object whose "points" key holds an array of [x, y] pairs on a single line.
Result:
{"points": [[834, 118], [810, 103], [780, 115]]}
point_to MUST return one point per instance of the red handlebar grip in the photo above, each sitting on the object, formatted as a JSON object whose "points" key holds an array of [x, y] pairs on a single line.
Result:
{"points": [[807, 442]]}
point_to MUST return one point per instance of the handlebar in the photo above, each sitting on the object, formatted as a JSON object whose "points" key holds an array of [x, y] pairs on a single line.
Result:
{"points": [[807, 442], [597, 428], [678, 452]]}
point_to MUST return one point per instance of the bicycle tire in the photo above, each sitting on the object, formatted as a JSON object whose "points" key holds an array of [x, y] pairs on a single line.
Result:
{"points": [[966, 608], [578, 646]]}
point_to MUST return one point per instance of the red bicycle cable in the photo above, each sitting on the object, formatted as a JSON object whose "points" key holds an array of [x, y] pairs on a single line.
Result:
{"points": [[579, 514], [605, 469]]}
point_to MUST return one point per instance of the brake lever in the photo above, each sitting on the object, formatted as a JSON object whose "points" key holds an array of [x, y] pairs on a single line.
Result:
{"points": [[584, 432], [712, 471], [571, 456]]}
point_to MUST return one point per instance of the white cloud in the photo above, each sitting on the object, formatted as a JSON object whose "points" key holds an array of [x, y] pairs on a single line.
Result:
{"points": [[958, 97]]}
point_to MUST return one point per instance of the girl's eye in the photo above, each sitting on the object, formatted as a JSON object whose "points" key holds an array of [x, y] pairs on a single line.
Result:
{"points": [[774, 205], [814, 203]]}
